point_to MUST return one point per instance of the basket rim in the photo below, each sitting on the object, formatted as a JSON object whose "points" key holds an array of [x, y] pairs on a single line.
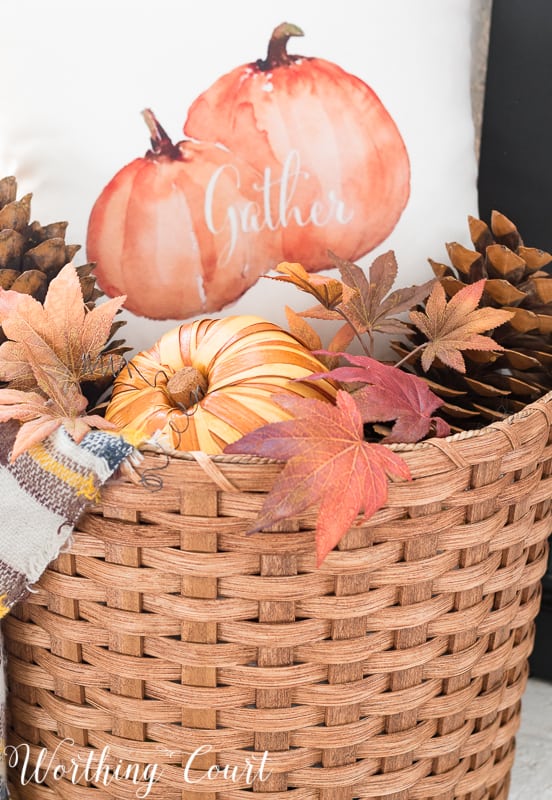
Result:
{"points": [[531, 408]]}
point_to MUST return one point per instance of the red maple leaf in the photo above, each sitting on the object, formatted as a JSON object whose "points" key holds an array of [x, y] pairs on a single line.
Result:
{"points": [[328, 464], [391, 395]]}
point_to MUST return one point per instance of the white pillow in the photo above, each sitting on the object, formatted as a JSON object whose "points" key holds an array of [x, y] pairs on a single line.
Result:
{"points": [[82, 72]]}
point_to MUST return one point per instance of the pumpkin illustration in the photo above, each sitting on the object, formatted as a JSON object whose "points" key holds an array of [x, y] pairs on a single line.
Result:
{"points": [[336, 170], [166, 230], [207, 383]]}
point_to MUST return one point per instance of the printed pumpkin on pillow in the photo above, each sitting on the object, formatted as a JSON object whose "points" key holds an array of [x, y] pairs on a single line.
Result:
{"points": [[287, 158]]}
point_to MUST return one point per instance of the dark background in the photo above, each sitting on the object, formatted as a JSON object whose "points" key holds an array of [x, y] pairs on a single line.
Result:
{"points": [[515, 170], [515, 175]]}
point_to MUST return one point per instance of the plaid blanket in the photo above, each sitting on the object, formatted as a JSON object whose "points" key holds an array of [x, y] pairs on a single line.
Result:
{"points": [[42, 495]]}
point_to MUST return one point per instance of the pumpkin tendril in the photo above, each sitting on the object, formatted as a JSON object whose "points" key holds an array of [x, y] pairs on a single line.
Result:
{"points": [[180, 431], [149, 478], [131, 366]]}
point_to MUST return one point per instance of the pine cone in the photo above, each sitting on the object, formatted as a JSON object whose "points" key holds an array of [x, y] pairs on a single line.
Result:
{"points": [[495, 384]]}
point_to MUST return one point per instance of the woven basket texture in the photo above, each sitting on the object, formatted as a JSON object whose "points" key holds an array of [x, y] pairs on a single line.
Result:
{"points": [[393, 671]]}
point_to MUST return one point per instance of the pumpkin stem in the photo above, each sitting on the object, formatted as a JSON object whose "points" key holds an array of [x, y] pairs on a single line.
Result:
{"points": [[277, 54], [161, 144], [187, 386]]}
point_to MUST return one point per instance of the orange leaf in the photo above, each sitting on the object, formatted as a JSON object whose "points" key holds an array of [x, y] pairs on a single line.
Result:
{"points": [[302, 330], [78, 427], [25, 321], [57, 383], [328, 291], [320, 312], [328, 464], [11, 302], [97, 326], [33, 432], [52, 349], [14, 366], [62, 330], [455, 326], [16, 404], [342, 339], [65, 312]]}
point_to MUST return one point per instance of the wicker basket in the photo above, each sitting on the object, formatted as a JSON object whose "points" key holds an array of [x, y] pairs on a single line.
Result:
{"points": [[394, 671]]}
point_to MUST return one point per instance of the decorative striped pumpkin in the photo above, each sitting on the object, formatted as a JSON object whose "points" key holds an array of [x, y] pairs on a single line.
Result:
{"points": [[207, 383]]}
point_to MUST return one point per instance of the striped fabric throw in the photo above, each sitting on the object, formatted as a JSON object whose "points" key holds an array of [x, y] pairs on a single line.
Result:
{"points": [[42, 495]]}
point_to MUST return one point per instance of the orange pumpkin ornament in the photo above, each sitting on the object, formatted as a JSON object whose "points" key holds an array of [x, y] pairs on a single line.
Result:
{"points": [[207, 383], [336, 170], [166, 230]]}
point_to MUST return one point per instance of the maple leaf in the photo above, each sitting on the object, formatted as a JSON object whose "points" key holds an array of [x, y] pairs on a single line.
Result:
{"points": [[392, 395], [366, 300], [456, 325], [16, 311], [40, 417], [62, 325], [52, 348], [328, 291], [328, 464]]}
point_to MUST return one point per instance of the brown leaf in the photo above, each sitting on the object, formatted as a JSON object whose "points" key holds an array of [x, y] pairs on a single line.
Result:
{"points": [[328, 464], [366, 302], [453, 326]]}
